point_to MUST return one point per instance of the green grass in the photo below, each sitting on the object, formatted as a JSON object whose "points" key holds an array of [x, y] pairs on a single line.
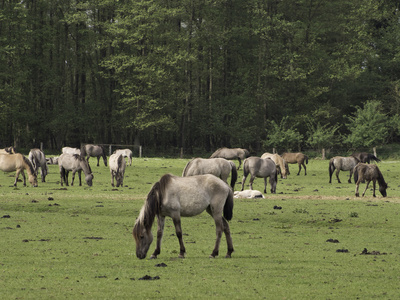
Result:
{"points": [[77, 242]]}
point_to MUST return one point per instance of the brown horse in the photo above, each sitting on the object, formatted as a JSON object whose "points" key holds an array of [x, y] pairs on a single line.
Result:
{"points": [[234, 153], [365, 157], [19, 163], [296, 158], [364, 172]]}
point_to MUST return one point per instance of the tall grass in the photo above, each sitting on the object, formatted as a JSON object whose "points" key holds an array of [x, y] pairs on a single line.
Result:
{"points": [[305, 242]]}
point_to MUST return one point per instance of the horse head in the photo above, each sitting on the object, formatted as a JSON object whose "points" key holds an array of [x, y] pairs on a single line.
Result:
{"points": [[382, 189], [143, 238], [33, 179], [89, 179]]}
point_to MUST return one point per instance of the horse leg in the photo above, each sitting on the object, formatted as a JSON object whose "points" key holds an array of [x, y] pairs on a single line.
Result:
{"points": [[80, 178], [66, 177], [272, 183], [240, 162], [265, 185], [227, 232], [251, 181], [305, 169], [16, 177], [160, 230], [73, 178], [98, 160], [23, 176], [357, 186], [351, 173], [299, 168], [243, 181], [337, 175], [178, 231], [112, 178], [219, 227], [366, 187]]}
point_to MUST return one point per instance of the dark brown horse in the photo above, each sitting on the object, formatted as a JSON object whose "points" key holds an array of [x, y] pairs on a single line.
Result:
{"points": [[296, 158], [234, 153], [364, 172], [365, 157]]}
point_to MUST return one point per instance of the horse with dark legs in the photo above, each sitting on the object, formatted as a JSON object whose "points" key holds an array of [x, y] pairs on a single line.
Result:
{"points": [[117, 165], [74, 163], [126, 153], [231, 153], [219, 167], [296, 158], [177, 197], [97, 151], [340, 163], [365, 172], [38, 159], [365, 157], [17, 162], [262, 168], [279, 162]]}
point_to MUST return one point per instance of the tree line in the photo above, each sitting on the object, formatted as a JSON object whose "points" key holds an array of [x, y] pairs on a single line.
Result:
{"points": [[199, 74]]}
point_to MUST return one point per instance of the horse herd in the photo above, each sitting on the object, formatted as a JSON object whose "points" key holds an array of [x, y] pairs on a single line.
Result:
{"points": [[202, 187]]}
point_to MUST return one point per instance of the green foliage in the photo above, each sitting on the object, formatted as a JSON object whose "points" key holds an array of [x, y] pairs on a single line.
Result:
{"points": [[282, 136], [321, 136]]}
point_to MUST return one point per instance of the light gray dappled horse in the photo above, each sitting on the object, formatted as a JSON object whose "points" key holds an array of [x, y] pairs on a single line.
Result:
{"points": [[126, 153], [262, 168], [74, 163], [219, 167], [38, 159], [365, 172], [117, 165], [177, 197], [17, 162], [97, 151], [340, 163], [231, 153]]}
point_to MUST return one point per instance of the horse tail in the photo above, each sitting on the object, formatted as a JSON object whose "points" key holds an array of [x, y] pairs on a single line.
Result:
{"points": [[228, 207], [306, 157], [119, 163], [373, 157], [331, 167], [245, 168], [234, 175], [355, 173]]}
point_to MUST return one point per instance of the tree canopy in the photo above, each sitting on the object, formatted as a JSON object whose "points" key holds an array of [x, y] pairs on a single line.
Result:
{"points": [[197, 74]]}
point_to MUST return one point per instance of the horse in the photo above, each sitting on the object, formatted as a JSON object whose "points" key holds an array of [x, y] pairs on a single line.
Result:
{"points": [[17, 162], [262, 168], [177, 197], [8, 150], [279, 162], [126, 153], [219, 167], [90, 150], [365, 157], [38, 159], [251, 194], [296, 158], [117, 169], [52, 160], [70, 150], [234, 153], [342, 163], [364, 172], [74, 163]]}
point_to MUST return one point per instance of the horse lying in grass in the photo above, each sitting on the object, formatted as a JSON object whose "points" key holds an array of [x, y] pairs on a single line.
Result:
{"points": [[365, 172], [219, 167], [262, 168], [17, 162], [339, 163], [178, 197], [38, 159], [117, 165], [234, 153], [251, 194]]}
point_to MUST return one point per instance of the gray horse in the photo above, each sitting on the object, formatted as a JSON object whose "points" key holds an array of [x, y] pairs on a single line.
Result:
{"points": [[117, 165], [262, 168], [342, 163], [234, 153], [74, 163], [219, 167], [90, 150], [38, 160]]}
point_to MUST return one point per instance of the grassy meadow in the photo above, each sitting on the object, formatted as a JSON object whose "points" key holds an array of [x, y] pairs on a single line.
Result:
{"points": [[310, 240]]}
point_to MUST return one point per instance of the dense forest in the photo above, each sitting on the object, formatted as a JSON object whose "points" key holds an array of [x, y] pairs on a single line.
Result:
{"points": [[199, 74]]}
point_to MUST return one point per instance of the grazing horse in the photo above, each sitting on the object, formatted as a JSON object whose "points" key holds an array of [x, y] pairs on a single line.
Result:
{"points": [[364, 172], [17, 162], [341, 163], [74, 163], [70, 150], [178, 197], [90, 150], [262, 168], [117, 169], [365, 157], [8, 150], [234, 153], [126, 153], [279, 162], [296, 158], [38, 159], [219, 167]]}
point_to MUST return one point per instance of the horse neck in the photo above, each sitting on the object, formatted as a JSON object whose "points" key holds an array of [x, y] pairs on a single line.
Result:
{"points": [[85, 167], [152, 206], [28, 166], [381, 180]]}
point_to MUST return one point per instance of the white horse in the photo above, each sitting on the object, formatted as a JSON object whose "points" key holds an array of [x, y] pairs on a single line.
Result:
{"points": [[126, 153], [74, 163], [70, 150], [251, 194], [38, 160], [117, 169]]}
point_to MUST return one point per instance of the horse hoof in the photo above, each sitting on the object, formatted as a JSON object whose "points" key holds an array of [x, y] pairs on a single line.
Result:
{"points": [[153, 257], [211, 256], [228, 256]]}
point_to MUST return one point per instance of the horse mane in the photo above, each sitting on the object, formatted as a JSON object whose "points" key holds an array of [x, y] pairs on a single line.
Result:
{"points": [[186, 168], [28, 162], [233, 174], [380, 178]]}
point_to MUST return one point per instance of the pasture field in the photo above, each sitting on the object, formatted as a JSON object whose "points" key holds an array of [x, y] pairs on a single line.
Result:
{"points": [[311, 240]]}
